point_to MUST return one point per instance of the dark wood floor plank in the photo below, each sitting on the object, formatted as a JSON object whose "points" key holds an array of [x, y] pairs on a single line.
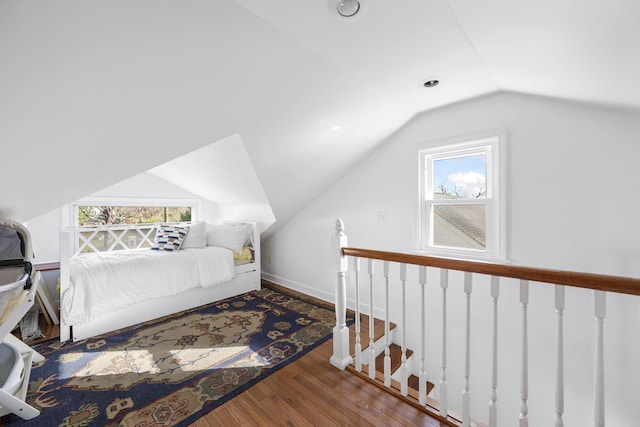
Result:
{"points": [[201, 422], [221, 417], [383, 406], [305, 401], [276, 405], [282, 402], [256, 413], [328, 395]]}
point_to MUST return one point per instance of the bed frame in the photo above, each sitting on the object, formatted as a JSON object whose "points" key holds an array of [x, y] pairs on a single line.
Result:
{"points": [[74, 240]]}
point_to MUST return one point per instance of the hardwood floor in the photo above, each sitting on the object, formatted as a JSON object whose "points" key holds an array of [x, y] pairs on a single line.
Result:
{"points": [[311, 392], [48, 331]]}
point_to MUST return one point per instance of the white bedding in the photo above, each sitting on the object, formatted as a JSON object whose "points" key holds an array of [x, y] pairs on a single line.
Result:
{"points": [[104, 282]]}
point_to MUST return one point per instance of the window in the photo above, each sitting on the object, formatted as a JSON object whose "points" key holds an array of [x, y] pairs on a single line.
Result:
{"points": [[107, 215], [118, 213], [462, 198]]}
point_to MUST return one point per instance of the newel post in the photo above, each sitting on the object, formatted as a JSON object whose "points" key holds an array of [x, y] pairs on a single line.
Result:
{"points": [[341, 357]]}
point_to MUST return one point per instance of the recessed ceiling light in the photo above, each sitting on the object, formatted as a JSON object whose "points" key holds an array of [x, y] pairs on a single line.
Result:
{"points": [[348, 8], [430, 81]]}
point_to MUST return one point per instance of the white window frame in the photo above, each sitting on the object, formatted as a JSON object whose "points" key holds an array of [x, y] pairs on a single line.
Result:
{"points": [[493, 144], [70, 214]]}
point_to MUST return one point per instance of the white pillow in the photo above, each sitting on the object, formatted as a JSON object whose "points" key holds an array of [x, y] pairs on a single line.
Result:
{"points": [[196, 237], [169, 237], [230, 236]]}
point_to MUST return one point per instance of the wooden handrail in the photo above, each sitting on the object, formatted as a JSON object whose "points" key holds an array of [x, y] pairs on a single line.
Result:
{"points": [[623, 285]]}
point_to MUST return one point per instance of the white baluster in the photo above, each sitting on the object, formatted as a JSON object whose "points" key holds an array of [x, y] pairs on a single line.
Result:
{"points": [[559, 356], [387, 332], [372, 350], [493, 393], [466, 392], [422, 388], [404, 389], [524, 378], [341, 357], [444, 283], [600, 310], [358, 346]]}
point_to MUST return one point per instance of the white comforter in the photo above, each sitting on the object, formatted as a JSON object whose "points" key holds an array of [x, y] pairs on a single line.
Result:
{"points": [[103, 282]]}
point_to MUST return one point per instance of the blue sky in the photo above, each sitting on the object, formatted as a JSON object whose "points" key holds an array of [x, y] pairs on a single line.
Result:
{"points": [[467, 173]]}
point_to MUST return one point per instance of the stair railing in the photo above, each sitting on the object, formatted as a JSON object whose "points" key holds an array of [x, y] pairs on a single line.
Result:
{"points": [[342, 358]]}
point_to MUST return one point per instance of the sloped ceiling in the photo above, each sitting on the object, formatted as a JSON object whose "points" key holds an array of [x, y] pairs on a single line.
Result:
{"points": [[95, 92], [223, 172], [579, 50]]}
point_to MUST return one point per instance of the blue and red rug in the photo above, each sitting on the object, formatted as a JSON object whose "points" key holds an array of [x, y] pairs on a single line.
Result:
{"points": [[170, 372]]}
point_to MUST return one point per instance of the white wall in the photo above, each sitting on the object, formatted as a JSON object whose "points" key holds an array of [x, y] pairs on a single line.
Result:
{"points": [[222, 171], [572, 204], [45, 228]]}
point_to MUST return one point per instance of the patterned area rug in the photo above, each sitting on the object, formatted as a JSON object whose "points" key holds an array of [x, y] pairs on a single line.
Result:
{"points": [[170, 372]]}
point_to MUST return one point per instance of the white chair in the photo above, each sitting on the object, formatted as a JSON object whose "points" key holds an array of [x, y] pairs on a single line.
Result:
{"points": [[16, 298]]}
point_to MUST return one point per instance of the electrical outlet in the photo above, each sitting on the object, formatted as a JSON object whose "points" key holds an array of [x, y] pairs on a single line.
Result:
{"points": [[269, 260], [382, 216]]}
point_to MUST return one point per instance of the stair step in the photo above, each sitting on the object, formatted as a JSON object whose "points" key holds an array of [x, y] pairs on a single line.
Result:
{"points": [[378, 332], [413, 382], [395, 352]]}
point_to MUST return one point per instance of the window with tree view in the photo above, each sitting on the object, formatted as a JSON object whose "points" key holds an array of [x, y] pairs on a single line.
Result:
{"points": [[110, 227], [461, 199], [108, 215]]}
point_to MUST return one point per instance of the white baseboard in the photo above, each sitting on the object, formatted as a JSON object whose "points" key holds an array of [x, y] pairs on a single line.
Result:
{"points": [[299, 287], [325, 296]]}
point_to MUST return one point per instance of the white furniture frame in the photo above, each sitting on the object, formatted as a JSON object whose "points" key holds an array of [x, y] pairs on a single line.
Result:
{"points": [[15, 403], [247, 279]]}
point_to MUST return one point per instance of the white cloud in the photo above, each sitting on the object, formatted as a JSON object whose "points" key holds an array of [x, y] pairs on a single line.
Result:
{"points": [[470, 183]]}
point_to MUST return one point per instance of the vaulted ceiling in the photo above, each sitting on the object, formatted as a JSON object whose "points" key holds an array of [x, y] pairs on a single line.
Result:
{"points": [[92, 93]]}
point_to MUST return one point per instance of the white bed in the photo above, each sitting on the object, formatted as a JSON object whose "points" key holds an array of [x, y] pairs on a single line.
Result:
{"points": [[108, 289]]}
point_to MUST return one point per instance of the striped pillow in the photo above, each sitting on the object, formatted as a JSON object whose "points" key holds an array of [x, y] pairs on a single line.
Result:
{"points": [[169, 237]]}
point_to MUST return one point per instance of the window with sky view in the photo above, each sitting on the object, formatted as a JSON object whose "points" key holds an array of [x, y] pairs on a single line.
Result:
{"points": [[461, 211]]}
